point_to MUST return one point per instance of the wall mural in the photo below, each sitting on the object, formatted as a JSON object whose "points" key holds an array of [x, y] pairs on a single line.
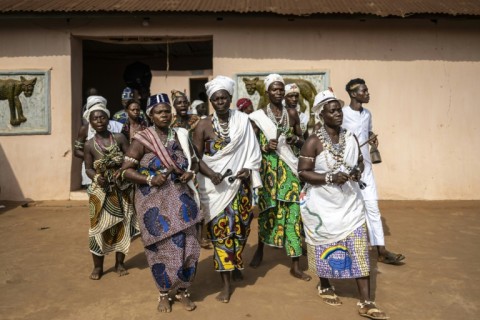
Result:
{"points": [[250, 85], [24, 102]]}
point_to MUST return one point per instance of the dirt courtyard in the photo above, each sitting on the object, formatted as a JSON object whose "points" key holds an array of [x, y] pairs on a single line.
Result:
{"points": [[45, 264]]}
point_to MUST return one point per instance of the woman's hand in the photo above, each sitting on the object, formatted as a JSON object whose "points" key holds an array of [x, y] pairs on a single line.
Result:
{"points": [[292, 140], [243, 174], [216, 178], [340, 178], [272, 145], [158, 180], [100, 180], [186, 176]]}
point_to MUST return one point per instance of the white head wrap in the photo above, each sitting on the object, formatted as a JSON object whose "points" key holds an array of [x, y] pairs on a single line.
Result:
{"points": [[322, 98], [93, 100], [95, 103], [195, 104], [271, 78], [291, 88], [220, 83], [101, 107]]}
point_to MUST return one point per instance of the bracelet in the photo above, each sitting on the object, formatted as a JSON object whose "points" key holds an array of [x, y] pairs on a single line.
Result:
{"points": [[132, 160], [264, 149], [194, 173], [95, 177], [149, 181], [329, 178], [78, 145]]}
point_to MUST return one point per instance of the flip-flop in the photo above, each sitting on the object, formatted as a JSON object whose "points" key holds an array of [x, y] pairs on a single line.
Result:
{"points": [[368, 312], [328, 294], [391, 258]]}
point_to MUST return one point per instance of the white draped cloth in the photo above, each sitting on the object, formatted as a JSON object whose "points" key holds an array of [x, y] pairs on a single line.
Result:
{"points": [[269, 129], [331, 212], [360, 123], [243, 151]]}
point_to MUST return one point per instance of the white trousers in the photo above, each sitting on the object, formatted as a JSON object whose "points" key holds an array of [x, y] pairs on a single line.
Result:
{"points": [[374, 223]]}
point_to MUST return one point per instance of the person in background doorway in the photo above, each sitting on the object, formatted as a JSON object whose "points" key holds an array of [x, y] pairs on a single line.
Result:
{"points": [[182, 119], [122, 115], [199, 108]]}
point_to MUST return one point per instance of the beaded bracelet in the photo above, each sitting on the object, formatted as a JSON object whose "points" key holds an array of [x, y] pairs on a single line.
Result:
{"points": [[194, 173], [149, 181], [329, 178], [132, 160], [78, 145]]}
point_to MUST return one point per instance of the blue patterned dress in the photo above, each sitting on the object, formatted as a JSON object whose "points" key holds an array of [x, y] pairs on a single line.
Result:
{"points": [[168, 217]]}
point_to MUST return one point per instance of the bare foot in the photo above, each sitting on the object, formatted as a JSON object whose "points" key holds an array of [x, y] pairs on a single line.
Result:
{"points": [[300, 275], [206, 244], [96, 273], [121, 270], [184, 297], [257, 259], [224, 295], [164, 305], [237, 275]]}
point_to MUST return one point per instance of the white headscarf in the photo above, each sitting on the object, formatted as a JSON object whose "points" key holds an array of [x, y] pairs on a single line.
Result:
{"points": [[101, 107], [95, 103], [321, 99], [195, 104], [93, 100], [271, 78], [220, 83]]}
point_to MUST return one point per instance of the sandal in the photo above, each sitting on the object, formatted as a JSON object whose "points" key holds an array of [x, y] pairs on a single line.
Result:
{"points": [[369, 309], [328, 296], [183, 296], [164, 303], [391, 258]]}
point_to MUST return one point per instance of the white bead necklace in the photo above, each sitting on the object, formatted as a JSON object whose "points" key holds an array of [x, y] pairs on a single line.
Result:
{"points": [[221, 129], [284, 123]]}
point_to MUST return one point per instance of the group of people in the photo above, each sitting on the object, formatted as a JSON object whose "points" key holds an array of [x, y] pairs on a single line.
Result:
{"points": [[190, 174]]}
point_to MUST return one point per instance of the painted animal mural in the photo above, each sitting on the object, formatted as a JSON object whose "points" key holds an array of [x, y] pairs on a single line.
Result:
{"points": [[10, 89]]}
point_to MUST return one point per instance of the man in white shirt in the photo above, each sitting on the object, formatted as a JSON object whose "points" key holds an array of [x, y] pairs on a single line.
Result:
{"points": [[358, 120]]}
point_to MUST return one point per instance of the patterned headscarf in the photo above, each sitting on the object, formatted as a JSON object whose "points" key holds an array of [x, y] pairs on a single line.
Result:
{"points": [[175, 94]]}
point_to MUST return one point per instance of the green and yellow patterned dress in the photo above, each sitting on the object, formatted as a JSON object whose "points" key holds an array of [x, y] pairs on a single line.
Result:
{"points": [[279, 221]]}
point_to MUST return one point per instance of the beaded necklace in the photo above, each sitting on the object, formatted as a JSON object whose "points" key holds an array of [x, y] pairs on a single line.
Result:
{"points": [[284, 123], [335, 150], [100, 147], [222, 130], [170, 135]]}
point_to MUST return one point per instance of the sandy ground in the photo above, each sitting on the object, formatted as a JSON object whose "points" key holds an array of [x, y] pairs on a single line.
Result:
{"points": [[45, 264]]}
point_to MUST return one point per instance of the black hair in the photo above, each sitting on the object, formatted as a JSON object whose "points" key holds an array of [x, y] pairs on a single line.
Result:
{"points": [[353, 82], [130, 101]]}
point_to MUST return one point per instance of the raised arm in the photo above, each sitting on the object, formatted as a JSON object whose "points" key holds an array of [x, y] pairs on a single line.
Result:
{"points": [[79, 144]]}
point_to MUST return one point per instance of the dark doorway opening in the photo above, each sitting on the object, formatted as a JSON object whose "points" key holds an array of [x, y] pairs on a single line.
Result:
{"points": [[105, 60]]}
